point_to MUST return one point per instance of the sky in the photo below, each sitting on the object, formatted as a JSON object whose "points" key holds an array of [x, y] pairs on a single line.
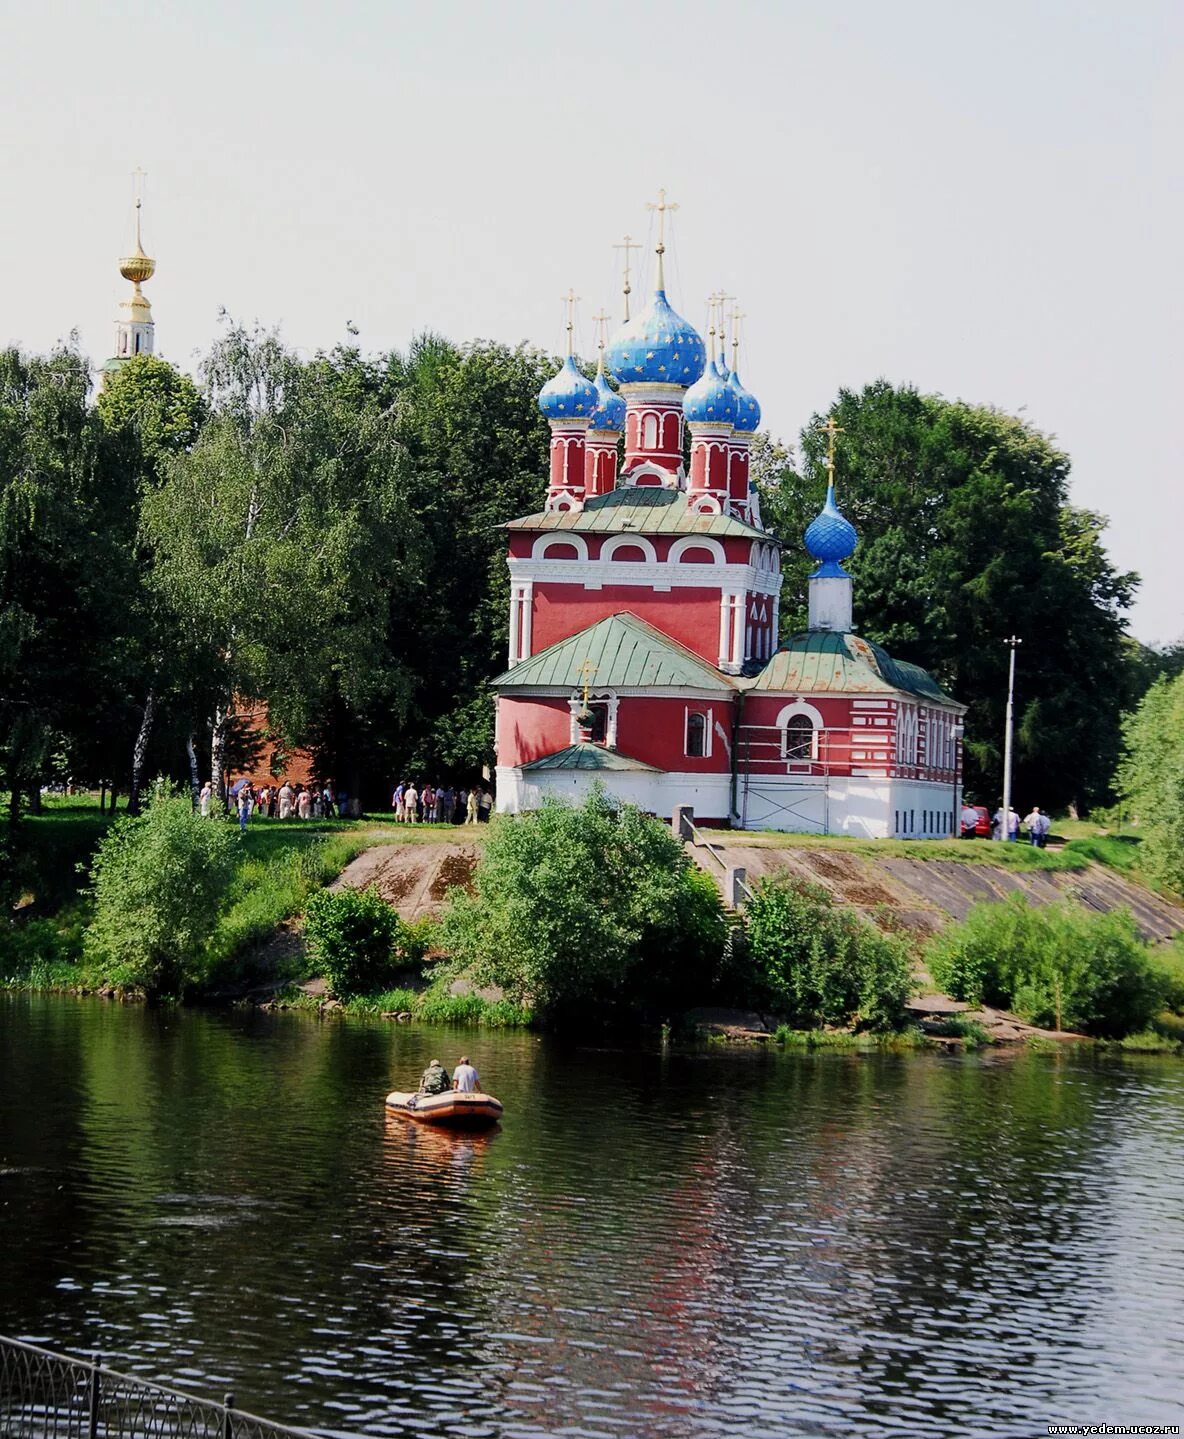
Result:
{"points": [[984, 201]]}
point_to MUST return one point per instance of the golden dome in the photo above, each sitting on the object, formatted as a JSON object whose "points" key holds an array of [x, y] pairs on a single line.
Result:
{"points": [[137, 267]]}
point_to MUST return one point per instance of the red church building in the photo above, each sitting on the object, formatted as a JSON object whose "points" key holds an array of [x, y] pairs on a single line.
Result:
{"points": [[644, 620]]}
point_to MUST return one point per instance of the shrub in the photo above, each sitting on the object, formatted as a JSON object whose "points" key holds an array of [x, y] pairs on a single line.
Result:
{"points": [[1060, 964], [580, 911], [159, 880], [357, 941], [818, 964]]}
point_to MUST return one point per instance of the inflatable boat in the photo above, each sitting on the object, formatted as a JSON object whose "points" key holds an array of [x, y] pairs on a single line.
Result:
{"points": [[450, 1110]]}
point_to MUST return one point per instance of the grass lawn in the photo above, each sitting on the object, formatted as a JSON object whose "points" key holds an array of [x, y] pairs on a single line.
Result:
{"points": [[961, 851]]}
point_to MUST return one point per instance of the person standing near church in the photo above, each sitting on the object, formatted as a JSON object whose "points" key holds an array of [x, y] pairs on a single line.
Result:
{"points": [[411, 803], [285, 800]]}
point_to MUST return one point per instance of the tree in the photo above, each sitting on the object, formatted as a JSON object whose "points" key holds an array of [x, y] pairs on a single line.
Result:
{"points": [[821, 965], [153, 401], [587, 911], [283, 540], [66, 515], [150, 412], [966, 535], [159, 883], [1151, 778]]}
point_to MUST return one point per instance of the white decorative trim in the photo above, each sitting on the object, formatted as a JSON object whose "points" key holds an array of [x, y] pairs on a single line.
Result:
{"points": [[697, 542], [799, 707], [610, 698], [592, 574], [666, 479], [617, 542], [577, 541], [708, 718]]}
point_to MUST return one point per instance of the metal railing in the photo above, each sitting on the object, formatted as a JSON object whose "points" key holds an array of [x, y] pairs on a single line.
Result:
{"points": [[44, 1395]]}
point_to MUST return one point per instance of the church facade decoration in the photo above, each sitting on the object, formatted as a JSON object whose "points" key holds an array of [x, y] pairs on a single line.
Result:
{"points": [[644, 635]]}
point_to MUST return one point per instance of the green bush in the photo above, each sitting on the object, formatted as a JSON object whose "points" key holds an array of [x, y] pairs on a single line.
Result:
{"points": [[583, 912], [1089, 971], [819, 964], [159, 881], [357, 941]]}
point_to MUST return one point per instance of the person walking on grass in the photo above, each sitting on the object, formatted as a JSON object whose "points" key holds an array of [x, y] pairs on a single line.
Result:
{"points": [[246, 803], [204, 799], [471, 808]]}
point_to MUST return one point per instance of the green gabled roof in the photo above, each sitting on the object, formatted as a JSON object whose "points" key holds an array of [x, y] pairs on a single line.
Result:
{"points": [[822, 661], [642, 510], [624, 652], [589, 756]]}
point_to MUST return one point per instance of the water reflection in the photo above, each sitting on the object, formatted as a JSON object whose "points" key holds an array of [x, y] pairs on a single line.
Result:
{"points": [[652, 1243]]}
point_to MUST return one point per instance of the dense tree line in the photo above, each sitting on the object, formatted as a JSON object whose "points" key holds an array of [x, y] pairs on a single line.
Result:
{"points": [[324, 534]]}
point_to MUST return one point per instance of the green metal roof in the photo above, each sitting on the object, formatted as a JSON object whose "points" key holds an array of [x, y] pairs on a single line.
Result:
{"points": [[643, 510], [822, 661], [624, 652], [589, 756]]}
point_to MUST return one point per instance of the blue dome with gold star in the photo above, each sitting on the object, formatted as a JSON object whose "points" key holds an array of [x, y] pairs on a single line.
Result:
{"points": [[710, 400], [569, 395], [830, 537], [657, 346], [748, 412], [609, 413]]}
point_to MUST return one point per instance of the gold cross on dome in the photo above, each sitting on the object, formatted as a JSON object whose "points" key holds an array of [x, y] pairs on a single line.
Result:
{"points": [[600, 321], [662, 208], [628, 244], [830, 430], [571, 299], [737, 317]]}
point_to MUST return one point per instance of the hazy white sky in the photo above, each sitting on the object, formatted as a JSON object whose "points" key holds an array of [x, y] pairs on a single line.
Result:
{"points": [[982, 199]]}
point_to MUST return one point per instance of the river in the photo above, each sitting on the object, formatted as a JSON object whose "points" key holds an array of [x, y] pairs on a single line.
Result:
{"points": [[654, 1242]]}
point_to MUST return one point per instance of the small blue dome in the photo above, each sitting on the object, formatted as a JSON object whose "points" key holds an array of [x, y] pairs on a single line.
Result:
{"points": [[609, 413], [568, 395], [710, 400], [748, 412], [831, 538], [656, 347]]}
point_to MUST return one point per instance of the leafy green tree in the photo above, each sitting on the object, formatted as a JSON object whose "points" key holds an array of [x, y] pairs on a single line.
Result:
{"points": [[587, 911], [357, 941], [1056, 966], [966, 536], [283, 540], [1151, 778], [154, 402], [160, 881], [819, 964], [66, 515]]}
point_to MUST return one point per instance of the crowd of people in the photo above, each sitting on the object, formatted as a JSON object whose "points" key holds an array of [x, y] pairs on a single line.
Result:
{"points": [[440, 804], [282, 800], [1007, 825]]}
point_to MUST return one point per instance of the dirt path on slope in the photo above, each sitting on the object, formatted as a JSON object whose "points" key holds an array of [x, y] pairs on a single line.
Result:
{"points": [[413, 878]]}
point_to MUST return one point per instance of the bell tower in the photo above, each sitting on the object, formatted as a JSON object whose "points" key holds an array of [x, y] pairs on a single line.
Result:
{"points": [[134, 328]]}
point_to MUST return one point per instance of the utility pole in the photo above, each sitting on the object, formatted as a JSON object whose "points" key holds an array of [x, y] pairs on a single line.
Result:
{"points": [[1005, 828]]}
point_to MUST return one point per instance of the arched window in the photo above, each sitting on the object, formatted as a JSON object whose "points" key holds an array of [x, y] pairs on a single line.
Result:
{"points": [[696, 735], [649, 432], [797, 739]]}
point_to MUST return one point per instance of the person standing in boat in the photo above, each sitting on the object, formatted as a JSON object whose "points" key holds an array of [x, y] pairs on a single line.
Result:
{"points": [[435, 1079], [465, 1079]]}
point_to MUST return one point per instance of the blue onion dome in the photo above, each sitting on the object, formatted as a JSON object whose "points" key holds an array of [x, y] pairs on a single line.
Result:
{"points": [[656, 347], [831, 538], [568, 395], [609, 413], [710, 400], [748, 412]]}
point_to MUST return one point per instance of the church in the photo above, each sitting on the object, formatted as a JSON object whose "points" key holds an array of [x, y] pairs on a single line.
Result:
{"points": [[644, 647]]}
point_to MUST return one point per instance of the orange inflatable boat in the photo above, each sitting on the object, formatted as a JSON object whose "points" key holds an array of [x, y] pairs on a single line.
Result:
{"points": [[451, 1110]]}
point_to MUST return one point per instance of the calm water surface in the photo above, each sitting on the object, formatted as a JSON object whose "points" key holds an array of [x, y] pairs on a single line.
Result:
{"points": [[652, 1244]]}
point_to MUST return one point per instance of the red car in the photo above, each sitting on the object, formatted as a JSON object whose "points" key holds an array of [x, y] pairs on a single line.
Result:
{"points": [[982, 823]]}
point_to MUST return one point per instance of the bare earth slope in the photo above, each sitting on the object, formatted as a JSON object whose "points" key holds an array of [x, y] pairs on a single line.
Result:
{"points": [[923, 894], [414, 878]]}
